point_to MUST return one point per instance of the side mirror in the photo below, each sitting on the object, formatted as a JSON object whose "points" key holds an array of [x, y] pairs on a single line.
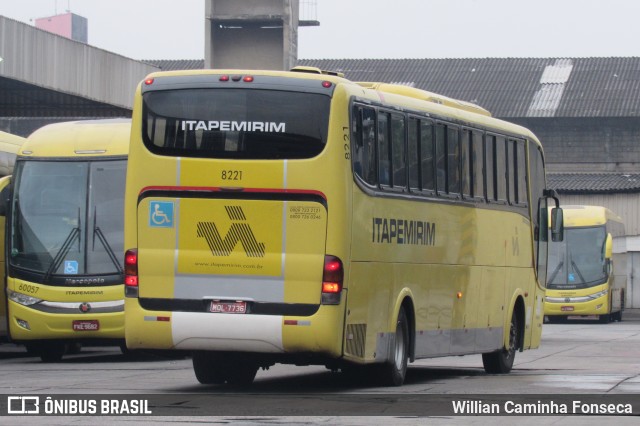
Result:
{"points": [[557, 224], [608, 248]]}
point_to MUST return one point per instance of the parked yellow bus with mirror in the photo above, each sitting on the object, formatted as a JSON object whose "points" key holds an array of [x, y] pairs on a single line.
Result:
{"points": [[64, 253], [9, 146], [301, 218], [584, 280]]}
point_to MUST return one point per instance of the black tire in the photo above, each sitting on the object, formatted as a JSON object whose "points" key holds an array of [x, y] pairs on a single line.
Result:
{"points": [[605, 319], [213, 368], [207, 370], [556, 319], [393, 372], [501, 361], [51, 351]]}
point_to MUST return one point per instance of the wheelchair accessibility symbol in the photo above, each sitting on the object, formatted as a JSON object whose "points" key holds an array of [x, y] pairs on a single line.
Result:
{"points": [[71, 267], [161, 214]]}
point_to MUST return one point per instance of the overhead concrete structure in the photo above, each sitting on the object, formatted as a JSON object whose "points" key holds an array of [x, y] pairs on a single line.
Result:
{"points": [[251, 34], [45, 77], [68, 25]]}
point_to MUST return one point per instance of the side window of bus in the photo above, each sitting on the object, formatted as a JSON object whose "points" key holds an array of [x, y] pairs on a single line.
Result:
{"points": [[413, 154], [489, 171], [477, 165], [521, 173], [501, 169], [364, 143], [511, 171], [384, 153], [453, 160], [465, 153], [427, 163], [441, 160], [399, 178]]}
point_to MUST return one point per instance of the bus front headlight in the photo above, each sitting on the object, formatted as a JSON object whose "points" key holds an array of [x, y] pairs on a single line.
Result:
{"points": [[23, 299]]}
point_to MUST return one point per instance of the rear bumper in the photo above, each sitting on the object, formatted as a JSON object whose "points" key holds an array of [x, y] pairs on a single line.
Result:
{"points": [[320, 333]]}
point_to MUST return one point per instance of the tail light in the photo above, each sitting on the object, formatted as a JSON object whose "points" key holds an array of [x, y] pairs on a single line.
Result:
{"points": [[332, 277], [131, 272]]}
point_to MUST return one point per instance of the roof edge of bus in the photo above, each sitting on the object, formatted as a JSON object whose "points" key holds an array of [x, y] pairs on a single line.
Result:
{"points": [[11, 139], [311, 72], [424, 95], [97, 137]]}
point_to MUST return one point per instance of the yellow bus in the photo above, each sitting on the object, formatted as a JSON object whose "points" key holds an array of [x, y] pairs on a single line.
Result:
{"points": [[584, 280], [65, 228], [301, 218], [9, 146]]}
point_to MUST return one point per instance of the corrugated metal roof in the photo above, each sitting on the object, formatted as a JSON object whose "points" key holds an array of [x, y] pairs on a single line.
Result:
{"points": [[593, 183], [514, 87], [176, 64], [508, 87]]}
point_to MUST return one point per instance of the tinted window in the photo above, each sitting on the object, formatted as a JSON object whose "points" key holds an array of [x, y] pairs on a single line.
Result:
{"points": [[453, 161], [413, 154], [521, 173], [364, 141], [235, 123], [68, 218], [426, 154], [384, 153], [489, 166], [398, 157], [441, 159], [477, 164], [501, 169]]}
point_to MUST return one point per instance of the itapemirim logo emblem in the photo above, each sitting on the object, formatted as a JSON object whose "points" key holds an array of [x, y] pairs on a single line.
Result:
{"points": [[240, 231]]}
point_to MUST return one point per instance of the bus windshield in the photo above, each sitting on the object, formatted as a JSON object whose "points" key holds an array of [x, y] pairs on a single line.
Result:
{"points": [[235, 123], [578, 261], [67, 221]]}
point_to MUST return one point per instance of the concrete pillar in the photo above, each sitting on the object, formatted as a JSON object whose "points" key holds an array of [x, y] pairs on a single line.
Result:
{"points": [[251, 34]]}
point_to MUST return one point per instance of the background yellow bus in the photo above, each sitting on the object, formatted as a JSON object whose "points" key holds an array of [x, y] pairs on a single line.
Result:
{"points": [[64, 248], [9, 146], [301, 218], [586, 279]]}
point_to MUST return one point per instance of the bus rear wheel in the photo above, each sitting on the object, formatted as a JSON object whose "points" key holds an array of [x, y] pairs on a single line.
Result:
{"points": [[213, 368], [501, 361], [393, 372]]}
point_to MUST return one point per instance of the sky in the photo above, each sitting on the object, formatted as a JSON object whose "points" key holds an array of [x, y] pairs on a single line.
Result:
{"points": [[356, 29]]}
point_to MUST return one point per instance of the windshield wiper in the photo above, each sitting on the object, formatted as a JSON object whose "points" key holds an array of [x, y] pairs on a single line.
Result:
{"points": [[575, 268], [97, 231], [66, 246], [555, 271]]}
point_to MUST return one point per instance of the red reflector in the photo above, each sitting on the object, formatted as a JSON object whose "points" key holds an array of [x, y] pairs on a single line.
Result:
{"points": [[131, 280], [290, 322], [148, 81], [248, 78], [224, 78], [326, 84], [163, 318]]}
